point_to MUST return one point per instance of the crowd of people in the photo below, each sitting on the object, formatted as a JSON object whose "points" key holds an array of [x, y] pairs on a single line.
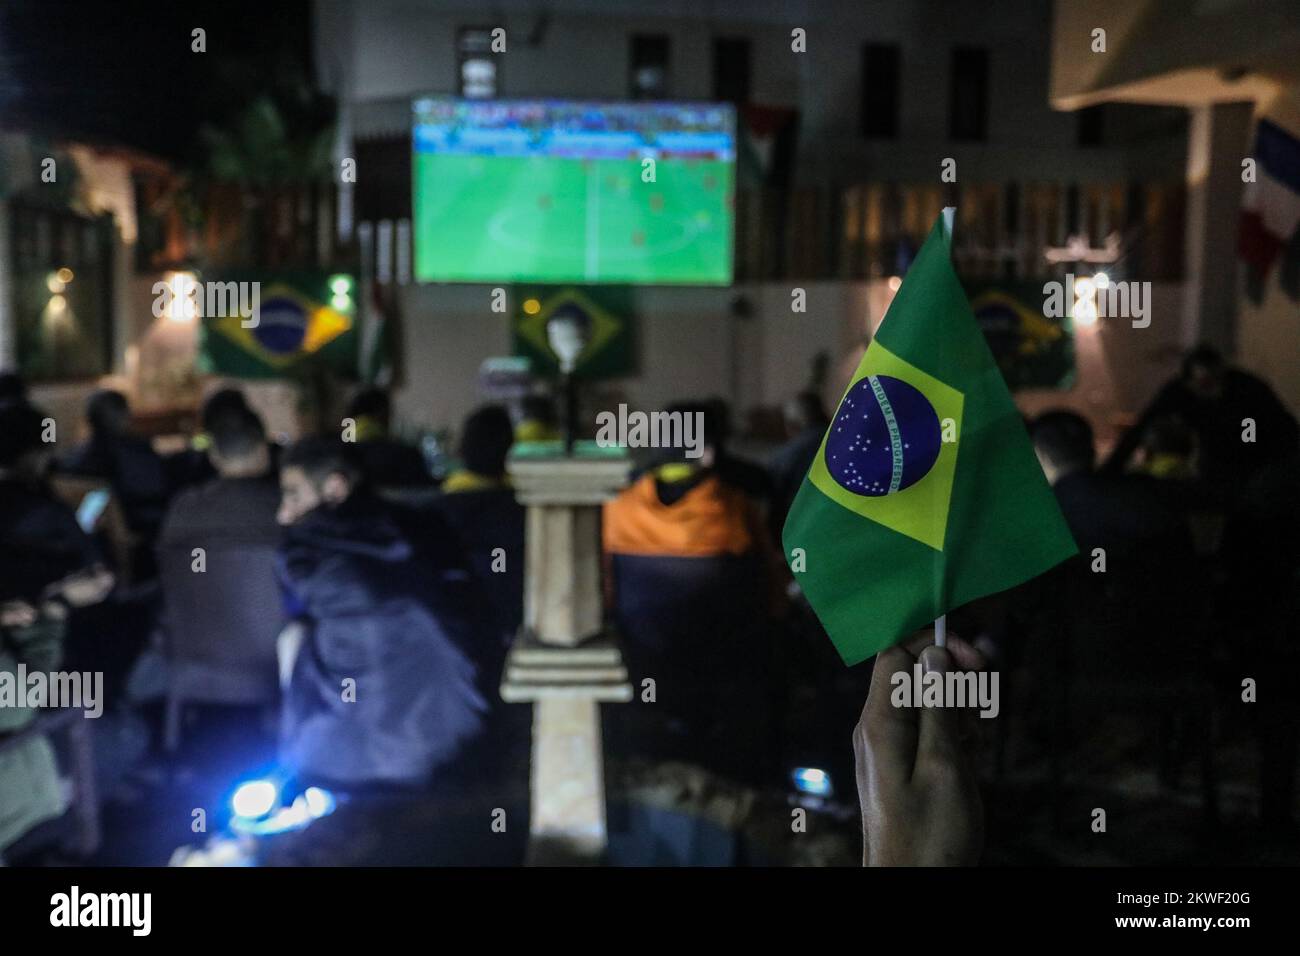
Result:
{"points": [[336, 584]]}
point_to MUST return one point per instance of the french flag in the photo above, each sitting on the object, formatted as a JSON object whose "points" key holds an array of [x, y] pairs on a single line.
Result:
{"points": [[1270, 205]]}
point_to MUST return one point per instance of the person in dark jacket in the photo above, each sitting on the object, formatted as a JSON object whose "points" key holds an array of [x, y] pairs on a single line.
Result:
{"points": [[751, 478], [241, 501], [1130, 591], [480, 507], [805, 422], [126, 460], [381, 687], [194, 466], [385, 462], [42, 542], [1241, 426], [48, 565]]}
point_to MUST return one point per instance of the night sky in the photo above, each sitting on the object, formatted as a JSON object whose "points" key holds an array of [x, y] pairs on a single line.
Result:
{"points": [[122, 72]]}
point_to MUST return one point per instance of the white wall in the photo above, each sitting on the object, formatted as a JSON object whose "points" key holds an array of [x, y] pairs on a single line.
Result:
{"points": [[386, 49], [689, 342]]}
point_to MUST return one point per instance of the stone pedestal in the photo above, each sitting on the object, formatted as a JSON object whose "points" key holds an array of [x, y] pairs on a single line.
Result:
{"points": [[563, 663]]}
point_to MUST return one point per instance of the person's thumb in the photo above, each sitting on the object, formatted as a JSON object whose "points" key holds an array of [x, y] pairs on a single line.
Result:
{"points": [[939, 742]]}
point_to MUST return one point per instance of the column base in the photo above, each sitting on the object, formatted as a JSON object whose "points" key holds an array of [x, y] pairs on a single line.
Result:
{"points": [[566, 686]]}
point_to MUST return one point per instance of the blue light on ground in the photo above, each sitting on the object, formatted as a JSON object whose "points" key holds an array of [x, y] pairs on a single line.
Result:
{"points": [[258, 808], [812, 781], [255, 799]]}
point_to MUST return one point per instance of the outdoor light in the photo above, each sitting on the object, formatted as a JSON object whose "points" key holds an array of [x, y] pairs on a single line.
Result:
{"points": [[1085, 302], [64, 275], [58, 305], [182, 286], [255, 799], [54, 283], [532, 306], [341, 287], [812, 781]]}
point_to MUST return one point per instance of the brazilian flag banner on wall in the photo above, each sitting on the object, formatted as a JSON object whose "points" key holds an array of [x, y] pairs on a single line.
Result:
{"points": [[606, 313], [925, 493], [1032, 350], [303, 316]]}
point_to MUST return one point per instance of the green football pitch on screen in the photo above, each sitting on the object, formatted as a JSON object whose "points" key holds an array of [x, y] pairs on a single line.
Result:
{"points": [[529, 191]]}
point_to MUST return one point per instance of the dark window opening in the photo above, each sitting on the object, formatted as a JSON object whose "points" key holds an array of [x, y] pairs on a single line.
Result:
{"points": [[880, 90], [648, 75], [477, 69], [1090, 126], [969, 95], [731, 70]]}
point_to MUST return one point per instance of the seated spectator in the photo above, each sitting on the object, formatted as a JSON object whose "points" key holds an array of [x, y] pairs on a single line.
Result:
{"points": [[739, 472], [381, 688], [690, 579], [538, 420], [1168, 451], [44, 551], [1262, 568], [1214, 400], [1116, 512], [1129, 592], [384, 461], [479, 505], [222, 402], [684, 507], [47, 566], [219, 627], [30, 792], [242, 501], [193, 465], [805, 424], [1168, 461], [128, 462]]}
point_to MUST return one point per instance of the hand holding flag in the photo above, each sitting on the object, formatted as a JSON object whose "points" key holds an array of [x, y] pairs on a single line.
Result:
{"points": [[916, 781]]}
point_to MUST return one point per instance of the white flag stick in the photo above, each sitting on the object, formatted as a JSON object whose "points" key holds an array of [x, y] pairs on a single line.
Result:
{"points": [[941, 622]]}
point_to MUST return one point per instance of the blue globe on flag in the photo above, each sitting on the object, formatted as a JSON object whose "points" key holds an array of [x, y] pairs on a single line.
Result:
{"points": [[885, 437], [283, 326]]}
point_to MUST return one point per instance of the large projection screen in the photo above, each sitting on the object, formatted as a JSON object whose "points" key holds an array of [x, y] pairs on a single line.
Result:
{"points": [[573, 192]]}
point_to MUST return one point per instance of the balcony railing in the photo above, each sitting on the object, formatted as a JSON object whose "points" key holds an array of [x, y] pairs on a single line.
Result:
{"points": [[1004, 230]]}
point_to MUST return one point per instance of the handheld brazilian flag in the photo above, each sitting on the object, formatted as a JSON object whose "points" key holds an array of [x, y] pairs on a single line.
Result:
{"points": [[925, 493]]}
